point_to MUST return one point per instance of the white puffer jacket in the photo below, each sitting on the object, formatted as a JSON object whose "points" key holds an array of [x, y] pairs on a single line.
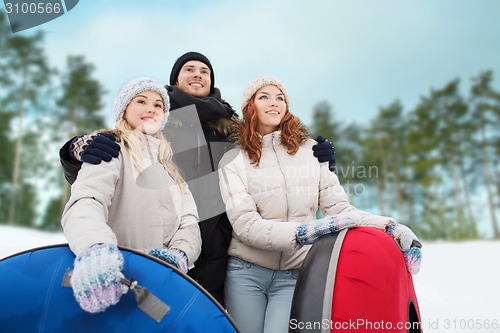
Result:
{"points": [[113, 203], [266, 204]]}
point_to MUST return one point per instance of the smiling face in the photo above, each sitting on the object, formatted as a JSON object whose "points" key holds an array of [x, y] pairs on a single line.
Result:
{"points": [[145, 112], [194, 78], [270, 106]]}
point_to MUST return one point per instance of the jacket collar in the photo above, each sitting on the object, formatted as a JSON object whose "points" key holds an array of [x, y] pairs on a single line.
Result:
{"points": [[267, 140], [152, 147]]}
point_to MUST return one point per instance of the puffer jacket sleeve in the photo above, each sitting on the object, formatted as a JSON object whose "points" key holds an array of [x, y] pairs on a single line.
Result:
{"points": [[187, 238], [85, 215], [333, 200], [248, 225]]}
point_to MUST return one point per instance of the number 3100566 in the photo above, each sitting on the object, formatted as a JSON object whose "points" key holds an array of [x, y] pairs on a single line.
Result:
{"points": [[33, 8]]}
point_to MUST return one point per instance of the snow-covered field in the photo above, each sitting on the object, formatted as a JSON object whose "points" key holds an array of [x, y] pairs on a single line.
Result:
{"points": [[458, 287]]}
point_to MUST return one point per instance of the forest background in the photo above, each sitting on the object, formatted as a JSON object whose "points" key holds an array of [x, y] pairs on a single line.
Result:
{"points": [[432, 163]]}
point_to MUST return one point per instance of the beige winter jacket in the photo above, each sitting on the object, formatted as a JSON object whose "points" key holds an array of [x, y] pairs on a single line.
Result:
{"points": [[113, 203], [266, 204]]}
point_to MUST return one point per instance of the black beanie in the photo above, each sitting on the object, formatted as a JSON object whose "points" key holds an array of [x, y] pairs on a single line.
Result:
{"points": [[188, 57]]}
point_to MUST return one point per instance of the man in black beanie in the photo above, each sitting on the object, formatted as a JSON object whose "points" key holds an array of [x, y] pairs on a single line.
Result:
{"points": [[192, 81], [198, 143], [191, 56]]}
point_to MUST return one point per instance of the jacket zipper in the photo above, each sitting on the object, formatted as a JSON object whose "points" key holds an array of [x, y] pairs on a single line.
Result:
{"points": [[286, 196]]}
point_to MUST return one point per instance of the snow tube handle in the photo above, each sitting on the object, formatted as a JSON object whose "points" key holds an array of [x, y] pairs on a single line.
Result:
{"points": [[146, 301]]}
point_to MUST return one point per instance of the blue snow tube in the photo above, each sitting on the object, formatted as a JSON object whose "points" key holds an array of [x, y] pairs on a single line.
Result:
{"points": [[32, 298]]}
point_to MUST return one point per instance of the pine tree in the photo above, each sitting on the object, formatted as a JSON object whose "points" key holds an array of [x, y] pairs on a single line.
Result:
{"points": [[388, 131], [486, 110], [79, 113], [323, 122], [453, 146], [423, 138], [26, 72]]}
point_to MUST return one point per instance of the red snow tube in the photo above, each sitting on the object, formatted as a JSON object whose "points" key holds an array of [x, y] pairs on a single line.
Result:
{"points": [[355, 281]]}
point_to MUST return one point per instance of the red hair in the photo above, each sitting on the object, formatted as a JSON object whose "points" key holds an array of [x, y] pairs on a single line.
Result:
{"points": [[293, 133]]}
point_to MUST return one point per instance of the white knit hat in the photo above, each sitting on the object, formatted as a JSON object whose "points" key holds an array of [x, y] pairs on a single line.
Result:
{"points": [[136, 86], [258, 83]]}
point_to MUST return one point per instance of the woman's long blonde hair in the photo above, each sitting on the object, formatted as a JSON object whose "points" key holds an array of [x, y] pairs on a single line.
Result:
{"points": [[134, 140]]}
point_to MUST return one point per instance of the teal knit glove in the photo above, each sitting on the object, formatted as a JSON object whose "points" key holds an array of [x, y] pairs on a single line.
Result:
{"points": [[307, 233], [96, 278], [174, 257]]}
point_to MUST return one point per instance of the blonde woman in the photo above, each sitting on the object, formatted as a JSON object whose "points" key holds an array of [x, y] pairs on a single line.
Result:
{"points": [[138, 200]]}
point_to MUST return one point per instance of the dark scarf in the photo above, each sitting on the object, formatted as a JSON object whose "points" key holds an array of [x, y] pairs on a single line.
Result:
{"points": [[210, 108]]}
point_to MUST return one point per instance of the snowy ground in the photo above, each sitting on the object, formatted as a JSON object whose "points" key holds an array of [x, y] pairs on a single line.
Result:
{"points": [[458, 287]]}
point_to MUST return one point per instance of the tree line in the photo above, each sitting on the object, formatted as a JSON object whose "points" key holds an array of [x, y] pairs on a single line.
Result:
{"points": [[434, 166]]}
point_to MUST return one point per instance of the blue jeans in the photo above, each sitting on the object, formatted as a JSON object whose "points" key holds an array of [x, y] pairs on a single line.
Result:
{"points": [[259, 299]]}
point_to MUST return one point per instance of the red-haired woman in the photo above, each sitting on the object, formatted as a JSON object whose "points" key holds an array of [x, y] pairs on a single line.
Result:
{"points": [[272, 187]]}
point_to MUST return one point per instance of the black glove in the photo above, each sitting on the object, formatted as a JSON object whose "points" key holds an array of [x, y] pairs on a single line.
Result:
{"points": [[94, 148], [324, 151]]}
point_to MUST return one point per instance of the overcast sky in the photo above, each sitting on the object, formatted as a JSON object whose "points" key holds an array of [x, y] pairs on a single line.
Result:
{"points": [[356, 54]]}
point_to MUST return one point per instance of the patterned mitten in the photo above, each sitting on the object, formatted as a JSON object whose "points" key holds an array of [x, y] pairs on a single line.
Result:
{"points": [[94, 148], [413, 258], [96, 278], [307, 233], [404, 236], [409, 244], [174, 257]]}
